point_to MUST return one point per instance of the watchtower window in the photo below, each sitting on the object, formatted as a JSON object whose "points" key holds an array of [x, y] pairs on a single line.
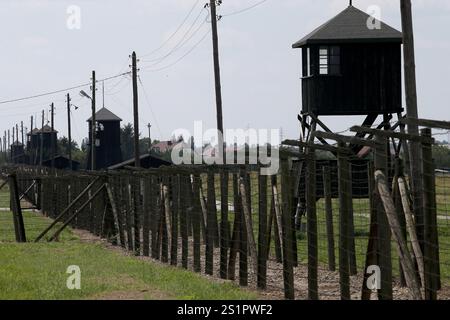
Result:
{"points": [[329, 60]]}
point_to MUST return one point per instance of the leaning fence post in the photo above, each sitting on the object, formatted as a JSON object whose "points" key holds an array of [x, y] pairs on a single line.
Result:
{"points": [[431, 245], [384, 231], [19, 227]]}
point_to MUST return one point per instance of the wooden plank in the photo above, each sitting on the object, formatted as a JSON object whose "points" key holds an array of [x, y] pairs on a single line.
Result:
{"points": [[147, 190], [329, 148], [248, 224], [196, 221], [344, 272], [155, 217], [119, 235], [371, 255], [286, 226], [345, 139], [444, 125], [70, 219], [411, 229], [234, 244], [431, 245], [329, 218], [175, 187], [211, 212], [384, 232], [392, 134], [262, 233], [224, 232], [185, 196], [311, 213], [61, 215], [19, 226], [402, 248]]}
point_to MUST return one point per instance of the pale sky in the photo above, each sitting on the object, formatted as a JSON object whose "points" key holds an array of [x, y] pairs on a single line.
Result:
{"points": [[260, 71]]}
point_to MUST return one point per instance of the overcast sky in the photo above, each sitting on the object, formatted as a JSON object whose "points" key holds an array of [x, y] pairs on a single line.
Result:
{"points": [[260, 71]]}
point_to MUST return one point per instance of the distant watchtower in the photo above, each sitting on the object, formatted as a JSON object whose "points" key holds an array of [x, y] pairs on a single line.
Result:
{"points": [[350, 67], [107, 144]]}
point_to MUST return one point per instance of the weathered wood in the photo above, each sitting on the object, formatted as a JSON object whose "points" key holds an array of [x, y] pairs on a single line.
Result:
{"points": [[392, 134], [61, 215], [286, 227], [185, 209], [431, 245], [19, 226], [262, 233], [154, 216], [277, 209], [402, 248], [196, 221], [248, 225], [224, 232], [372, 246], [70, 219], [115, 212], [346, 139], [410, 224], [146, 217], [175, 187], [311, 214], [329, 218], [384, 232], [235, 238], [211, 211], [444, 125], [344, 272], [323, 147]]}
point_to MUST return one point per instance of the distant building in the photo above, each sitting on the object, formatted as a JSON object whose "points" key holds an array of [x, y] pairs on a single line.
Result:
{"points": [[147, 161], [107, 140]]}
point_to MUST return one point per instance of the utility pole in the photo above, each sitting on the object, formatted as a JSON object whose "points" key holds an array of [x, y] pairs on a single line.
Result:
{"points": [[215, 41], [93, 124], [69, 131], [31, 146], [9, 145], [41, 151], [52, 134], [411, 108], [21, 129], [137, 159], [149, 138]]}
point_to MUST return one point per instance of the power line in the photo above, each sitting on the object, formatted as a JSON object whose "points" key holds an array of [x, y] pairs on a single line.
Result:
{"points": [[60, 91], [181, 58], [150, 106], [183, 41], [174, 33], [244, 10]]}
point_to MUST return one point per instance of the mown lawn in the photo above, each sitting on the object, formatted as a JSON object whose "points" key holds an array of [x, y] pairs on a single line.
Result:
{"points": [[38, 271]]}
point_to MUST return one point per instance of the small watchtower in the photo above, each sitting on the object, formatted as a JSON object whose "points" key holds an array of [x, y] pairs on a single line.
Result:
{"points": [[107, 142], [351, 66]]}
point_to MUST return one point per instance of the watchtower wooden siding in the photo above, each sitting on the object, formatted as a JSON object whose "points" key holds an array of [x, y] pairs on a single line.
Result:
{"points": [[369, 81]]}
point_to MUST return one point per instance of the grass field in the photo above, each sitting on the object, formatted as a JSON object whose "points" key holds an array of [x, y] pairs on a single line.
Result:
{"points": [[38, 271]]}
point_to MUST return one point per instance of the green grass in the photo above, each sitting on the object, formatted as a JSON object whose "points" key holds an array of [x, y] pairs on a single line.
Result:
{"points": [[38, 270]]}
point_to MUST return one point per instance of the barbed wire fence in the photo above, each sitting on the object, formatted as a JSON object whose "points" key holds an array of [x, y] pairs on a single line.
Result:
{"points": [[314, 231]]}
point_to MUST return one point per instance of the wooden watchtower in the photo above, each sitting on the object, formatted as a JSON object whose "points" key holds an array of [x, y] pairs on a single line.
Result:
{"points": [[107, 145], [350, 66]]}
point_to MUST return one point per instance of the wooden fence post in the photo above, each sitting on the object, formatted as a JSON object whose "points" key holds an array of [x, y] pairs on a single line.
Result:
{"points": [[224, 232], [286, 225], [311, 213], [262, 233], [431, 245], [384, 231], [329, 218], [210, 223], [19, 227]]}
